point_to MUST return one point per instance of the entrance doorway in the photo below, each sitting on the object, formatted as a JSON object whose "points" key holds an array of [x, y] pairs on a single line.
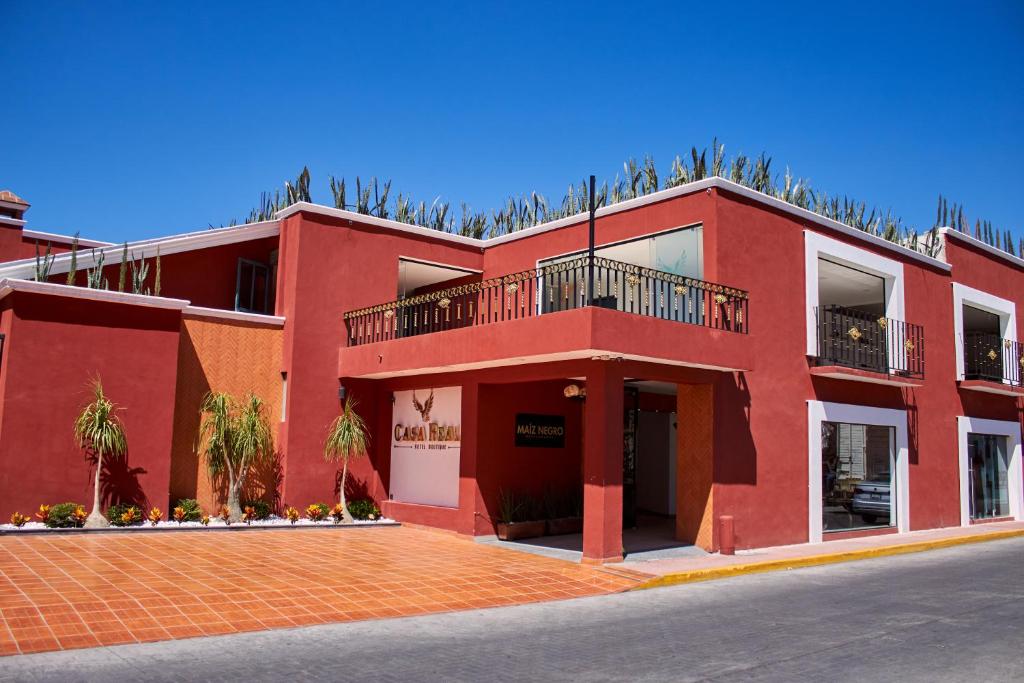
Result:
{"points": [[649, 467]]}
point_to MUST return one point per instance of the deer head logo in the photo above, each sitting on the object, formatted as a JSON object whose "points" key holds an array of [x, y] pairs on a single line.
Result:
{"points": [[423, 408]]}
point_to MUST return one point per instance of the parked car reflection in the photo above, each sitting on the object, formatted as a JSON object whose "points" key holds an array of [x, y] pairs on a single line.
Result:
{"points": [[871, 500]]}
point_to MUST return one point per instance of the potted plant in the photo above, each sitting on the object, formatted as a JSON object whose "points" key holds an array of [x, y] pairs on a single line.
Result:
{"points": [[564, 512], [518, 517]]}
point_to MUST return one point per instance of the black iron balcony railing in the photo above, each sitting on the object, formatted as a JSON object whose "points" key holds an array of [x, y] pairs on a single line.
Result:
{"points": [[557, 287], [856, 339], [987, 356]]}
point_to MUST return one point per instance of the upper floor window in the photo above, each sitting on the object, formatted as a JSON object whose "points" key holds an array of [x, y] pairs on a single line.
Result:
{"points": [[252, 287], [986, 337], [855, 310], [679, 252]]}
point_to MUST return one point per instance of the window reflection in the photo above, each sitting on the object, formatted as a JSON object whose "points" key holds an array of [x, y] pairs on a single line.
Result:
{"points": [[856, 471], [986, 455]]}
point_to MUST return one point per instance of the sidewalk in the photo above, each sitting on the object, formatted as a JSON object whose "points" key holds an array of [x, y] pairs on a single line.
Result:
{"points": [[670, 571]]}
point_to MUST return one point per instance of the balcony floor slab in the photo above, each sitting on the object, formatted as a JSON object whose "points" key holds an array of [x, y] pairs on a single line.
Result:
{"points": [[989, 387], [858, 375], [566, 335]]}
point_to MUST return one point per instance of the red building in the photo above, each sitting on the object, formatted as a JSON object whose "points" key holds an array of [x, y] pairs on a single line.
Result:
{"points": [[724, 354]]}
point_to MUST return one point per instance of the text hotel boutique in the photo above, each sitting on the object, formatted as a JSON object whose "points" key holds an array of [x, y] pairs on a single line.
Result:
{"points": [[737, 356]]}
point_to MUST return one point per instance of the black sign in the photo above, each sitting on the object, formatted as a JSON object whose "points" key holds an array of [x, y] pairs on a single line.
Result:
{"points": [[544, 431]]}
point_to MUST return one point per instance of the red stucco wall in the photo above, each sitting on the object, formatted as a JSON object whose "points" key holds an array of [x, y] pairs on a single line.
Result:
{"points": [[327, 267], [54, 346], [204, 277]]}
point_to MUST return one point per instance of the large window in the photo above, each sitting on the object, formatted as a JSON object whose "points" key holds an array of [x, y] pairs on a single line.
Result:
{"points": [[252, 288], [857, 464], [987, 465], [679, 252]]}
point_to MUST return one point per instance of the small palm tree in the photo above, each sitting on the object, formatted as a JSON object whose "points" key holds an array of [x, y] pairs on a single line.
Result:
{"points": [[347, 438], [233, 438], [99, 431]]}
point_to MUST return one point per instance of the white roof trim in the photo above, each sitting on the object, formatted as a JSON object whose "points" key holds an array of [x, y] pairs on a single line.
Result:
{"points": [[7, 220], [54, 237], [379, 222], [8, 285], [660, 196], [973, 241], [203, 312], [25, 268]]}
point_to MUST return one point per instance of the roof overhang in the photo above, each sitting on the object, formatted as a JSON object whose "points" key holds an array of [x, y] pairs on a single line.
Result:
{"points": [[978, 244], [8, 285], [64, 239], [204, 239]]}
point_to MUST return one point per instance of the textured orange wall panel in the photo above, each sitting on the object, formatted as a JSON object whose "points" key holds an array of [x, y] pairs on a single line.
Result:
{"points": [[695, 460], [222, 355]]}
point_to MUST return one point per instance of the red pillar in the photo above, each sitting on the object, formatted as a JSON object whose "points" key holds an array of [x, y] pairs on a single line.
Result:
{"points": [[469, 490], [602, 464]]}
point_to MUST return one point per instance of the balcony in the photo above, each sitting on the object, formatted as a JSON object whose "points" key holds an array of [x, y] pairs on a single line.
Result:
{"points": [[991, 360], [633, 311], [853, 344]]}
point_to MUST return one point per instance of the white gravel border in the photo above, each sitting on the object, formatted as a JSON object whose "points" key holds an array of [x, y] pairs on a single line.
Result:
{"points": [[164, 525]]}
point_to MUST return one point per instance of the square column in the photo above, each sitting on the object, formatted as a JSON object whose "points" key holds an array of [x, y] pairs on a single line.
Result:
{"points": [[602, 464], [695, 462], [469, 491]]}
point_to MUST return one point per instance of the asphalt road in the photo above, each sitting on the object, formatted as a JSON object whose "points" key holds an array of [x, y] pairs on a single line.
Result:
{"points": [[948, 615]]}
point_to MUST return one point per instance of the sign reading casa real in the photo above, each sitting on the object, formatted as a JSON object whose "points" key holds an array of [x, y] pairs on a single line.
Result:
{"points": [[544, 431], [426, 443]]}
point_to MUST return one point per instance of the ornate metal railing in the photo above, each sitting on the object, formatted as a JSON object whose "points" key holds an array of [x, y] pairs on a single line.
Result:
{"points": [[856, 339], [557, 287], [987, 356]]}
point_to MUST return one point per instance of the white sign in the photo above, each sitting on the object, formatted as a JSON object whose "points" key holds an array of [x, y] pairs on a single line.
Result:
{"points": [[426, 442]]}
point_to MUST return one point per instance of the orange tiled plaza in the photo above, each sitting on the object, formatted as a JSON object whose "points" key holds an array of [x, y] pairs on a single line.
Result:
{"points": [[61, 591]]}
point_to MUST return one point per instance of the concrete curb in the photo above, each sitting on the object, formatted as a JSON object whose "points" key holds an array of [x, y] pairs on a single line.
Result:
{"points": [[712, 573]]}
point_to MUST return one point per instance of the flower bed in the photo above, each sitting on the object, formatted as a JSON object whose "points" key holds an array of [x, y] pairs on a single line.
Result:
{"points": [[215, 523], [187, 514]]}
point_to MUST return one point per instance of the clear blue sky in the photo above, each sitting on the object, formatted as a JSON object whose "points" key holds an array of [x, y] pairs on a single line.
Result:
{"points": [[130, 120]]}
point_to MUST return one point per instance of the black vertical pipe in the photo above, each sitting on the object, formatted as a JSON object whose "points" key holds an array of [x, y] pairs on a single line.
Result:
{"points": [[590, 245]]}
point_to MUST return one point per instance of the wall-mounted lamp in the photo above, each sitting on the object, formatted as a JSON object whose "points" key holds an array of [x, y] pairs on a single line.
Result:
{"points": [[341, 394], [575, 391]]}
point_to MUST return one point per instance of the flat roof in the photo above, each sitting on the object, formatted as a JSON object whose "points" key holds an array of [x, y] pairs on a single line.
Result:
{"points": [[654, 197]]}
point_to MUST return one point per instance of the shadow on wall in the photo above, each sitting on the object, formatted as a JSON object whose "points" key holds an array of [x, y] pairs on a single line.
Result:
{"points": [[355, 488], [913, 426], [119, 482], [735, 452], [265, 482], [192, 386]]}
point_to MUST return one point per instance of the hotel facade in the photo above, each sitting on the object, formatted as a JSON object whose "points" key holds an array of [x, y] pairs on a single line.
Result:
{"points": [[723, 354]]}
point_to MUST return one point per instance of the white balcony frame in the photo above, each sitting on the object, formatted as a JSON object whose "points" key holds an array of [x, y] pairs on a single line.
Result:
{"points": [[1004, 308], [1014, 477], [820, 411], [819, 246]]}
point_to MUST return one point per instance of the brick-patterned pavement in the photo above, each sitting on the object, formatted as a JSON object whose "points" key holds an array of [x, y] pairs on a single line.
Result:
{"points": [[64, 591]]}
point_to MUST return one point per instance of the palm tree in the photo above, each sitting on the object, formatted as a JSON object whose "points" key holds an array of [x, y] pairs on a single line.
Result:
{"points": [[99, 431], [233, 438], [347, 438]]}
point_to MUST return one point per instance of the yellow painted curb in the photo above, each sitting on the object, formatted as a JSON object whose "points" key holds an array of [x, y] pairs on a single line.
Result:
{"points": [[712, 573]]}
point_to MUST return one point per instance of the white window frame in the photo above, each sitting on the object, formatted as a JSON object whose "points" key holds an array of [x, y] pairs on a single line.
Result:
{"points": [[819, 246], [1014, 478], [821, 411], [1004, 308]]}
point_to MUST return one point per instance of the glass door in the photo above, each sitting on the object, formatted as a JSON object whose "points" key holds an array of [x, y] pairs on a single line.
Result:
{"points": [[630, 418], [986, 455]]}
